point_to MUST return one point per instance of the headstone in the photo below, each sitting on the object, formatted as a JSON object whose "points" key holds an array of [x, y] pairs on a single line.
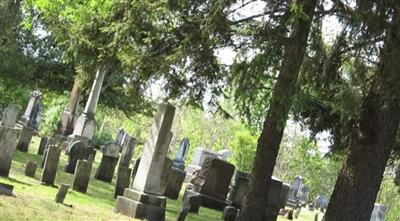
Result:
{"points": [[42, 145], [321, 202], [213, 183], [229, 213], [9, 116], [68, 117], [62, 193], [50, 141], [303, 193], [30, 169], [77, 150], [51, 164], [32, 115], [297, 213], [179, 161], [224, 154], [378, 213], [145, 200], [298, 181], [316, 217], [82, 176], [198, 158], [128, 147], [8, 143], [6, 189], [188, 202], [134, 171], [25, 138], [109, 160], [175, 182], [239, 188], [85, 124], [120, 139], [123, 180]]}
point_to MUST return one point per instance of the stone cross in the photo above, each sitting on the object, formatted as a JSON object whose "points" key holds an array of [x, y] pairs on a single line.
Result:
{"points": [[9, 116], [85, 124]]}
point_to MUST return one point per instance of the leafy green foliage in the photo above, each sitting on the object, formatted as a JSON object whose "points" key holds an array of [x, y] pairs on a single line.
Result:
{"points": [[244, 149]]}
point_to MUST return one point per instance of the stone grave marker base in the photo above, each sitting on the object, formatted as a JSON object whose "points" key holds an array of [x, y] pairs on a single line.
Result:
{"points": [[141, 205]]}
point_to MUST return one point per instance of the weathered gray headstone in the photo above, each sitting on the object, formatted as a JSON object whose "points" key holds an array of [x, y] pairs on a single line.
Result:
{"points": [[62, 193], [165, 175], [82, 176], [50, 141], [321, 202], [77, 150], [85, 124], [145, 200], [120, 139], [8, 143], [25, 138], [50, 165], [229, 213], [303, 193], [9, 116], [298, 181], [198, 158], [6, 189], [42, 145], [68, 117], [224, 154], [33, 112], [175, 182], [123, 180], [134, 171], [30, 168], [109, 160], [128, 147]]}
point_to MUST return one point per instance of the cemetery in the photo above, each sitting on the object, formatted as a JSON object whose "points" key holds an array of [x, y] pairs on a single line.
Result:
{"points": [[200, 110]]}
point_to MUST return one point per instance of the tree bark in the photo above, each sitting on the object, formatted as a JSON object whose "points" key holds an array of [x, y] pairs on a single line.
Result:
{"points": [[361, 175], [268, 143]]}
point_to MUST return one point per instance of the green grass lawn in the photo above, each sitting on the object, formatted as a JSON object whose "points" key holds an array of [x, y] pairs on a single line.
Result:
{"points": [[34, 201]]}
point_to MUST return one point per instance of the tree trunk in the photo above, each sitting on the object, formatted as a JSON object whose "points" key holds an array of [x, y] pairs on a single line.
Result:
{"points": [[360, 178], [275, 121]]}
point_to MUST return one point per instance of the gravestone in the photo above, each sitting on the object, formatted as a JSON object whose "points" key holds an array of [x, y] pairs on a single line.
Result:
{"points": [[120, 139], [277, 196], [30, 169], [303, 193], [378, 213], [42, 145], [33, 112], [123, 180], [165, 175], [179, 160], [198, 158], [25, 138], [50, 141], [77, 150], [8, 143], [50, 165], [82, 175], [109, 160], [6, 189], [224, 154], [124, 172], [177, 174], [212, 183], [9, 116], [297, 183], [321, 202], [128, 148], [145, 200], [62, 193], [68, 117], [134, 171]]}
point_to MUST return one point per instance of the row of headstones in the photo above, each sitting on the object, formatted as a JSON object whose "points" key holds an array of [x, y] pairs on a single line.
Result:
{"points": [[18, 135]]}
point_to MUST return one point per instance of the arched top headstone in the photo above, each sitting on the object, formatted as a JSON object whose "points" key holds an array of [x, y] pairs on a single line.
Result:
{"points": [[75, 146], [111, 149]]}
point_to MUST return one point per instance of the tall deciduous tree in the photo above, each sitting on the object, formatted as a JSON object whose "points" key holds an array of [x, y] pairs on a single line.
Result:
{"points": [[361, 175], [302, 13]]}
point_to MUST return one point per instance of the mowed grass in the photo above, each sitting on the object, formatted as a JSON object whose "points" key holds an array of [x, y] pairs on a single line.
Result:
{"points": [[34, 201]]}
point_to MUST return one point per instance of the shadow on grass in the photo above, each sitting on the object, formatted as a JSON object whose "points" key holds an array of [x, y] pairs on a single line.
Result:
{"points": [[17, 181]]}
